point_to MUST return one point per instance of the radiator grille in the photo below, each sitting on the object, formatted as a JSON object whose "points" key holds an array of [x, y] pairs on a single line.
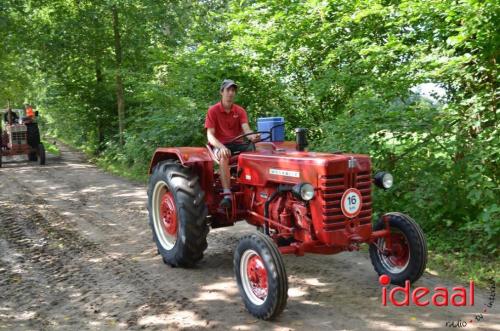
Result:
{"points": [[333, 187], [18, 138]]}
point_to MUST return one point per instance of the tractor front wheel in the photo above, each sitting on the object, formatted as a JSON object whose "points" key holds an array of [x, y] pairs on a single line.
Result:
{"points": [[403, 254], [261, 276], [177, 213]]}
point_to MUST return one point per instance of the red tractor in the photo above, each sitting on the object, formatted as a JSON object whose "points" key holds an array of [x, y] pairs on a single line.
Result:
{"points": [[300, 202], [22, 138]]}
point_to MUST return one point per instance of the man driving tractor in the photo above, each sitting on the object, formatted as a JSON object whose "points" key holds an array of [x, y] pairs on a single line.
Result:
{"points": [[299, 201], [225, 121]]}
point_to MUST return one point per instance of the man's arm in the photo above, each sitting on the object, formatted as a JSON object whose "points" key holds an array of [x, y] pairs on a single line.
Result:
{"points": [[224, 151], [212, 140]]}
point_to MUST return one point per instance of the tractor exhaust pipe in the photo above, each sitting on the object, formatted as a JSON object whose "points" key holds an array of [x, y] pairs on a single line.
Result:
{"points": [[300, 139]]}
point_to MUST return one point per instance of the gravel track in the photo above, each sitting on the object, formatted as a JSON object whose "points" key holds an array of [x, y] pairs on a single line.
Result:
{"points": [[76, 253]]}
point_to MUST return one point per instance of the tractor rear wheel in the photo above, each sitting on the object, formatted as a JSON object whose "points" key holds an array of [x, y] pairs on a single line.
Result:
{"points": [[33, 135], [405, 257], [41, 154], [261, 276], [32, 156], [177, 214]]}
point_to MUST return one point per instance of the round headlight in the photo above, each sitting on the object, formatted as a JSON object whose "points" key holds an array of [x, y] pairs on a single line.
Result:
{"points": [[384, 180], [387, 180], [305, 191]]}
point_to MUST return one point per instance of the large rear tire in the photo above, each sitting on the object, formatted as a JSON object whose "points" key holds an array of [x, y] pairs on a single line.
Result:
{"points": [[177, 214], [261, 276], [41, 154], [408, 255]]}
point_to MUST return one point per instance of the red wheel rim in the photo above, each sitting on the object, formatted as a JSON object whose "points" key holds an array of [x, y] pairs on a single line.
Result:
{"points": [[396, 257], [400, 251], [168, 214], [257, 276]]}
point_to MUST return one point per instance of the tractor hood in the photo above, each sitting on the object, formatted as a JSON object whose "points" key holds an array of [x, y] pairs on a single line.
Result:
{"points": [[290, 166]]}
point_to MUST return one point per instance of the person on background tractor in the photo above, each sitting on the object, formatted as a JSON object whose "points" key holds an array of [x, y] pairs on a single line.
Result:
{"points": [[225, 121], [10, 117], [29, 111]]}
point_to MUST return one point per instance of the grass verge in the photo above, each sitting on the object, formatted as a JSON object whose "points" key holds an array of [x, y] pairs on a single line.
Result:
{"points": [[136, 173], [51, 148], [461, 266]]}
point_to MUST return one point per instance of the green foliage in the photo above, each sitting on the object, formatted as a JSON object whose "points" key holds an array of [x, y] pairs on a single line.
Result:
{"points": [[50, 148], [347, 70]]}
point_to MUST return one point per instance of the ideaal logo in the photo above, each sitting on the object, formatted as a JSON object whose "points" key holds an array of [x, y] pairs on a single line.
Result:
{"points": [[459, 296], [439, 297]]}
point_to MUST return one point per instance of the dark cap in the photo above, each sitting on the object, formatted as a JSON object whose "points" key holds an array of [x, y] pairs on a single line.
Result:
{"points": [[227, 83]]}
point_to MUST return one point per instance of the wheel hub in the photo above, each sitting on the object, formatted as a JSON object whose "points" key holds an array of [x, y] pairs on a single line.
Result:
{"points": [[396, 256], [257, 276], [399, 256], [168, 214]]}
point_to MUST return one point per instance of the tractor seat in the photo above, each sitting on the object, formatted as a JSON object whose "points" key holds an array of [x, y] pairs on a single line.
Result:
{"points": [[233, 161]]}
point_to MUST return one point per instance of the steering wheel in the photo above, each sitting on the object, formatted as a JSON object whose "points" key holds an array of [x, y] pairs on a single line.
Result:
{"points": [[249, 134]]}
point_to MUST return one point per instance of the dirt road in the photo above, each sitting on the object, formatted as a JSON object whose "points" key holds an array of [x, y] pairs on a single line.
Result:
{"points": [[76, 254]]}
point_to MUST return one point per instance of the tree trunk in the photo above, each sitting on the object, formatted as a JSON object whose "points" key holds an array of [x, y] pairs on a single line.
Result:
{"points": [[98, 93], [120, 99]]}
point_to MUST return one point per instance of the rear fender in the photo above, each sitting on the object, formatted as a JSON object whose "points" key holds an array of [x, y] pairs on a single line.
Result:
{"points": [[196, 158]]}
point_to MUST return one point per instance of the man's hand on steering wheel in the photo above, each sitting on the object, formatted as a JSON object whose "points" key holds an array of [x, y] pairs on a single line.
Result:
{"points": [[254, 138]]}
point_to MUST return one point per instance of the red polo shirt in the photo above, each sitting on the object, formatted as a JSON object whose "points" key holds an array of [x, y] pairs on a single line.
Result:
{"points": [[227, 125]]}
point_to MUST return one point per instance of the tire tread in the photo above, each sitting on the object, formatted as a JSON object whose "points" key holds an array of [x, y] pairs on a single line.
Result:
{"points": [[191, 216]]}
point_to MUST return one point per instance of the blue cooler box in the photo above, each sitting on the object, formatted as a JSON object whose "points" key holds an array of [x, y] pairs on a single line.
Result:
{"points": [[266, 123]]}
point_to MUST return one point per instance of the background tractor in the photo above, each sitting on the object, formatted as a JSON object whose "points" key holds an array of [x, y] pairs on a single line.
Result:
{"points": [[22, 138], [299, 201]]}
